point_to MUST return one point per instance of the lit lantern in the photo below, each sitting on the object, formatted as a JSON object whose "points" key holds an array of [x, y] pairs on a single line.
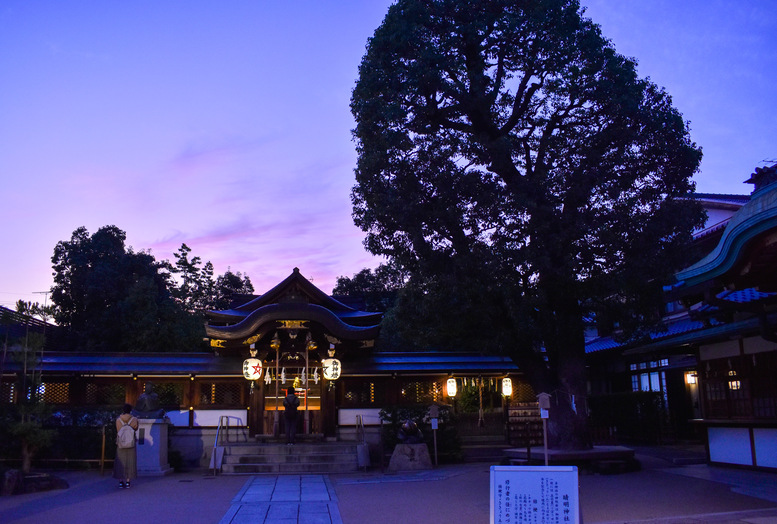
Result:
{"points": [[690, 377], [331, 368], [452, 387], [507, 387], [252, 368]]}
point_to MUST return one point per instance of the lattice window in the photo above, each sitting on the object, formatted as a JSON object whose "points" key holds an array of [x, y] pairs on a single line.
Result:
{"points": [[727, 388], [55, 392], [361, 393], [764, 387], [170, 393], [523, 392], [7, 393], [221, 393], [417, 392], [104, 394]]}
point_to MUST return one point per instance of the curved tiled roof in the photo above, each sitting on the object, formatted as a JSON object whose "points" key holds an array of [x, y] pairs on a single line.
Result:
{"points": [[294, 299], [675, 328], [744, 296], [722, 198], [755, 217], [293, 311]]}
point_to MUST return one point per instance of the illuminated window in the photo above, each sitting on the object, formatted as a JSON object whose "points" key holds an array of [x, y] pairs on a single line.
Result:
{"points": [[55, 393], [360, 393], [7, 393]]}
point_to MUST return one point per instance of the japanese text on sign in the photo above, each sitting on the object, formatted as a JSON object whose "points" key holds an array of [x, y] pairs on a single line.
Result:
{"points": [[534, 494]]}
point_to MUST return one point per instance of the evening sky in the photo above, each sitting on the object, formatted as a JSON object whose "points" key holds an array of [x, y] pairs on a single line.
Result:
{"points": [[226, 125]]}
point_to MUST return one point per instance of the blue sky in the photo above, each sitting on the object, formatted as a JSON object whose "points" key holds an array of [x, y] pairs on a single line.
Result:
{"points": [[225, 125]]}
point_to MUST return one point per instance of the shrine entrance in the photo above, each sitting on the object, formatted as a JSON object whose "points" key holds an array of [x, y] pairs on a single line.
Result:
{"points": [[302, 371], [293, 336]]}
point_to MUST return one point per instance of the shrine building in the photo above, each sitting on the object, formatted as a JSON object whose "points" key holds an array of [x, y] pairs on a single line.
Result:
{"points": [[292, 336]]}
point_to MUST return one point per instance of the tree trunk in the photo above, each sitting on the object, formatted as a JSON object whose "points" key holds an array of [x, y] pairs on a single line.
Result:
{"points": [[26, 457], [563, 336]]}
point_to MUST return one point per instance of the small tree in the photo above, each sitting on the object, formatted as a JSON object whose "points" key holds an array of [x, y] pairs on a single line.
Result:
{"points": [[195, 281], [227, 286], [27, 427]]}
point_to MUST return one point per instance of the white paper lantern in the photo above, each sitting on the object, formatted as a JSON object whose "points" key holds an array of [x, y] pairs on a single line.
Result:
{"points": [[331, 368], [507, 387], [452, 389], [252, 368]]}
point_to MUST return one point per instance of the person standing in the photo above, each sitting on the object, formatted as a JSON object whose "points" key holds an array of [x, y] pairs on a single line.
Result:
{"points": [[125, 466], [290, 405]]}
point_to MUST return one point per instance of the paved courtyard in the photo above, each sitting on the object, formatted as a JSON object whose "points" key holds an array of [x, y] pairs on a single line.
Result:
{"points": [[661, 492]]}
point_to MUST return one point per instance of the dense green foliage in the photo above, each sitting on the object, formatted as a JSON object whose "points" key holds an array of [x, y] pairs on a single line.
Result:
{"points": [[377, 288], [112, 298], [523, 175], [115, 299]]}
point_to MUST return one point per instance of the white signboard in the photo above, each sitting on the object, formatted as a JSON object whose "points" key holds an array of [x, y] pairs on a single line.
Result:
{"points": [[534, 494]]}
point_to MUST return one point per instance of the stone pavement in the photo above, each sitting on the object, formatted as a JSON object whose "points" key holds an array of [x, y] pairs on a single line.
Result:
{"points": [[662, 492], [285, 499]]}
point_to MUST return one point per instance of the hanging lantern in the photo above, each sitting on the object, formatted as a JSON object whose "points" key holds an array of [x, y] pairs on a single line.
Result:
{"points": [[331, 368], [252, 368], [507, 387], [452, 390]]}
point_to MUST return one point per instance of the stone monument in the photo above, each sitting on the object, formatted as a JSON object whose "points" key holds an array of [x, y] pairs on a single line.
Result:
{"points": [[411, 453], [147, 405], [152, 435]]}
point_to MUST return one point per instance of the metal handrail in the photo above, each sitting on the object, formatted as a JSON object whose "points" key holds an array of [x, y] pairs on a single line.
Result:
{"points": [[223, 422], [360, 434], [218, 429]]}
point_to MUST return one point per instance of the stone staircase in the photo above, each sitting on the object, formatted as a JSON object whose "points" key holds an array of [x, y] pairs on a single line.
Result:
{"points": [[306, 456], [483, 448]]}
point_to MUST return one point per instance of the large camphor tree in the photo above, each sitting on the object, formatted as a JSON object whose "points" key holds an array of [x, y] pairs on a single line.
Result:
{"points": [[523, 174]]}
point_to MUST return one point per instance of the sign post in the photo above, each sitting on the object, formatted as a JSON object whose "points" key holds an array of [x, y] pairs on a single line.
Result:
{"points": [[544, 402], [434, 414], [523, 494]]}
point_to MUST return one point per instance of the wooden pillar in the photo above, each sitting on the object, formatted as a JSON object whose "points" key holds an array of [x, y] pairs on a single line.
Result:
{"points": [[328, 407], [256, 409]]}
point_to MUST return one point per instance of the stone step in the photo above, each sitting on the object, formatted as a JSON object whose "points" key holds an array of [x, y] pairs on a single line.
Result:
{"points": [[283, 449], [309, 457], [319, 458], [300, 438], [478, 439], [258, 469], [484, 452]]}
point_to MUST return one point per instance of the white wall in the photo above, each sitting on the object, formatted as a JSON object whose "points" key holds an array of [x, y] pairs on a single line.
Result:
{"points": [[208, 417], [347, 416], [730, 446], [765, 447]]}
